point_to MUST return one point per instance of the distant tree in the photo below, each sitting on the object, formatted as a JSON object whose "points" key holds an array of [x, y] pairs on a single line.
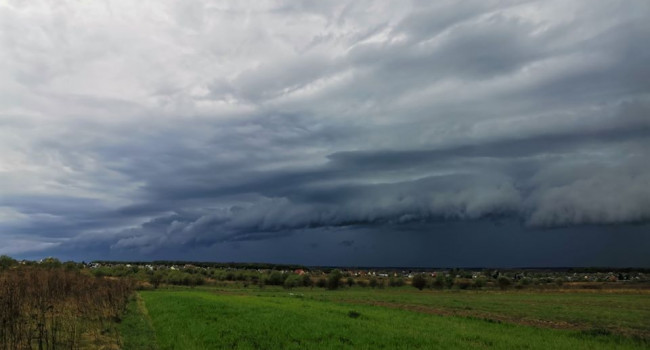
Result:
{"points": [[51, 262], [463, 283], [419, 281], [99, 273], [293, 281], [306, 281], [504, 282], [321, 283], [334, 279], [373, 282], [449, 281], [197, 280], [6, 262], [276, 278], [71, 266], [396, 282], [439, 282], [350, 281], [156, 278], [479, 282]]}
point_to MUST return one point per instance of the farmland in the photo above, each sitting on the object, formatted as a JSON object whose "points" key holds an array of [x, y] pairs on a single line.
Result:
{"points": [[52, 305], [398, 318]]}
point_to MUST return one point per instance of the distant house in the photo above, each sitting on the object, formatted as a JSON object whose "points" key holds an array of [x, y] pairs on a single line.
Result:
{"points": [[612, 278], [299, 272]]}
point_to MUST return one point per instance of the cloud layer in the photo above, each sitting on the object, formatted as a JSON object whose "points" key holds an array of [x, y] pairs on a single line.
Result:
{"points": [[160, 124]]}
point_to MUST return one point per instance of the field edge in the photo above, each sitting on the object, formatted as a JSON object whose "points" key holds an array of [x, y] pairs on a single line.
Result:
{"points": [[136, 329]]}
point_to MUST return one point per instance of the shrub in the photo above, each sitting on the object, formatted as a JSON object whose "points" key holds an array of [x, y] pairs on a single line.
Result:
{"points": [[293, 281], [6, 262], [419, 281], [479, 282], [504, 282], [156, 278], [449, 281], [350, 281], [334, 279], [463, 283], [439, 282], [396, 282], [276, 278], [306, 281]]}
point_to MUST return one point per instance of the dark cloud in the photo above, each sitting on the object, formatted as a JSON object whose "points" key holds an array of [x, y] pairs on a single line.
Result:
{"points": [[314, 122]]}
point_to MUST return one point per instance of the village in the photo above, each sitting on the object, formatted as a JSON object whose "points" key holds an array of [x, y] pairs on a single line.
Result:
{"points": [[477, 278]]}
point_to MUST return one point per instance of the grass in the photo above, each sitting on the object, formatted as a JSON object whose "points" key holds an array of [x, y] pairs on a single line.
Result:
{"points": [[135, 329], [358, 319], [623, 313]]}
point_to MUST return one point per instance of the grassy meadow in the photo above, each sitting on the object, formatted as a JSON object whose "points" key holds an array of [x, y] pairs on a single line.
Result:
{"points": [[395, 318]]}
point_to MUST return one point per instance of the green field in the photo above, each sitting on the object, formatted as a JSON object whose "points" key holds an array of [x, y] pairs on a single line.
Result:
{"points": [[397, 318]]}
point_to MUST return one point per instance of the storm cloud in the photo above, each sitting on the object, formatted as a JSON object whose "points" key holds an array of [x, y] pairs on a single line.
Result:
{"points": [[137, 128]]}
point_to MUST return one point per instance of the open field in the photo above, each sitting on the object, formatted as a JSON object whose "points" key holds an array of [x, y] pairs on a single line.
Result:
{"points": [[397, 318]]}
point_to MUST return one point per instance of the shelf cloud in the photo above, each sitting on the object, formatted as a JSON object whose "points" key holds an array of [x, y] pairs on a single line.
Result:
{"points": [[132, 128]]}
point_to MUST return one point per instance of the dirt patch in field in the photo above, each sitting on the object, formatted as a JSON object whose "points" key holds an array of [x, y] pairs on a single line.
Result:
{"points": [[499, 318]]}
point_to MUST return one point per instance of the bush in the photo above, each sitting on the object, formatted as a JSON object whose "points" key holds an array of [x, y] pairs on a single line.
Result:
{"points": [[276, 278], [306, 281], [479, 282], [321, 283], [449, 281], [463, 283], [156, 278], [6, 262], [51, 263], [350, 281], [396, 282], [439, 282], [293, 281], [504, 282], [334, 279], [419, 281]]}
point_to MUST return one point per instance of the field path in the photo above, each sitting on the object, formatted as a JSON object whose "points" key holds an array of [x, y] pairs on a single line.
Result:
{"points": [[136, 329]]}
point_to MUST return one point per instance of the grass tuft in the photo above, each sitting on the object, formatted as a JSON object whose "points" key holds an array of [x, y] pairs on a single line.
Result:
{"points": [[353, 314]]}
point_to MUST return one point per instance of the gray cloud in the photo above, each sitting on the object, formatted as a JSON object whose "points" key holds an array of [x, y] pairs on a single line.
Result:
{"points": [[125, 133]]}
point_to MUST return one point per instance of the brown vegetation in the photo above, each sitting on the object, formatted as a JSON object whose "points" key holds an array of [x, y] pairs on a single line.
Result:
{"points": [[52, 308]]}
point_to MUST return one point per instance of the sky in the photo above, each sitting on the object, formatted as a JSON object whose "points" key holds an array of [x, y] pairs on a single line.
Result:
{"points": [[367, 133]]}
